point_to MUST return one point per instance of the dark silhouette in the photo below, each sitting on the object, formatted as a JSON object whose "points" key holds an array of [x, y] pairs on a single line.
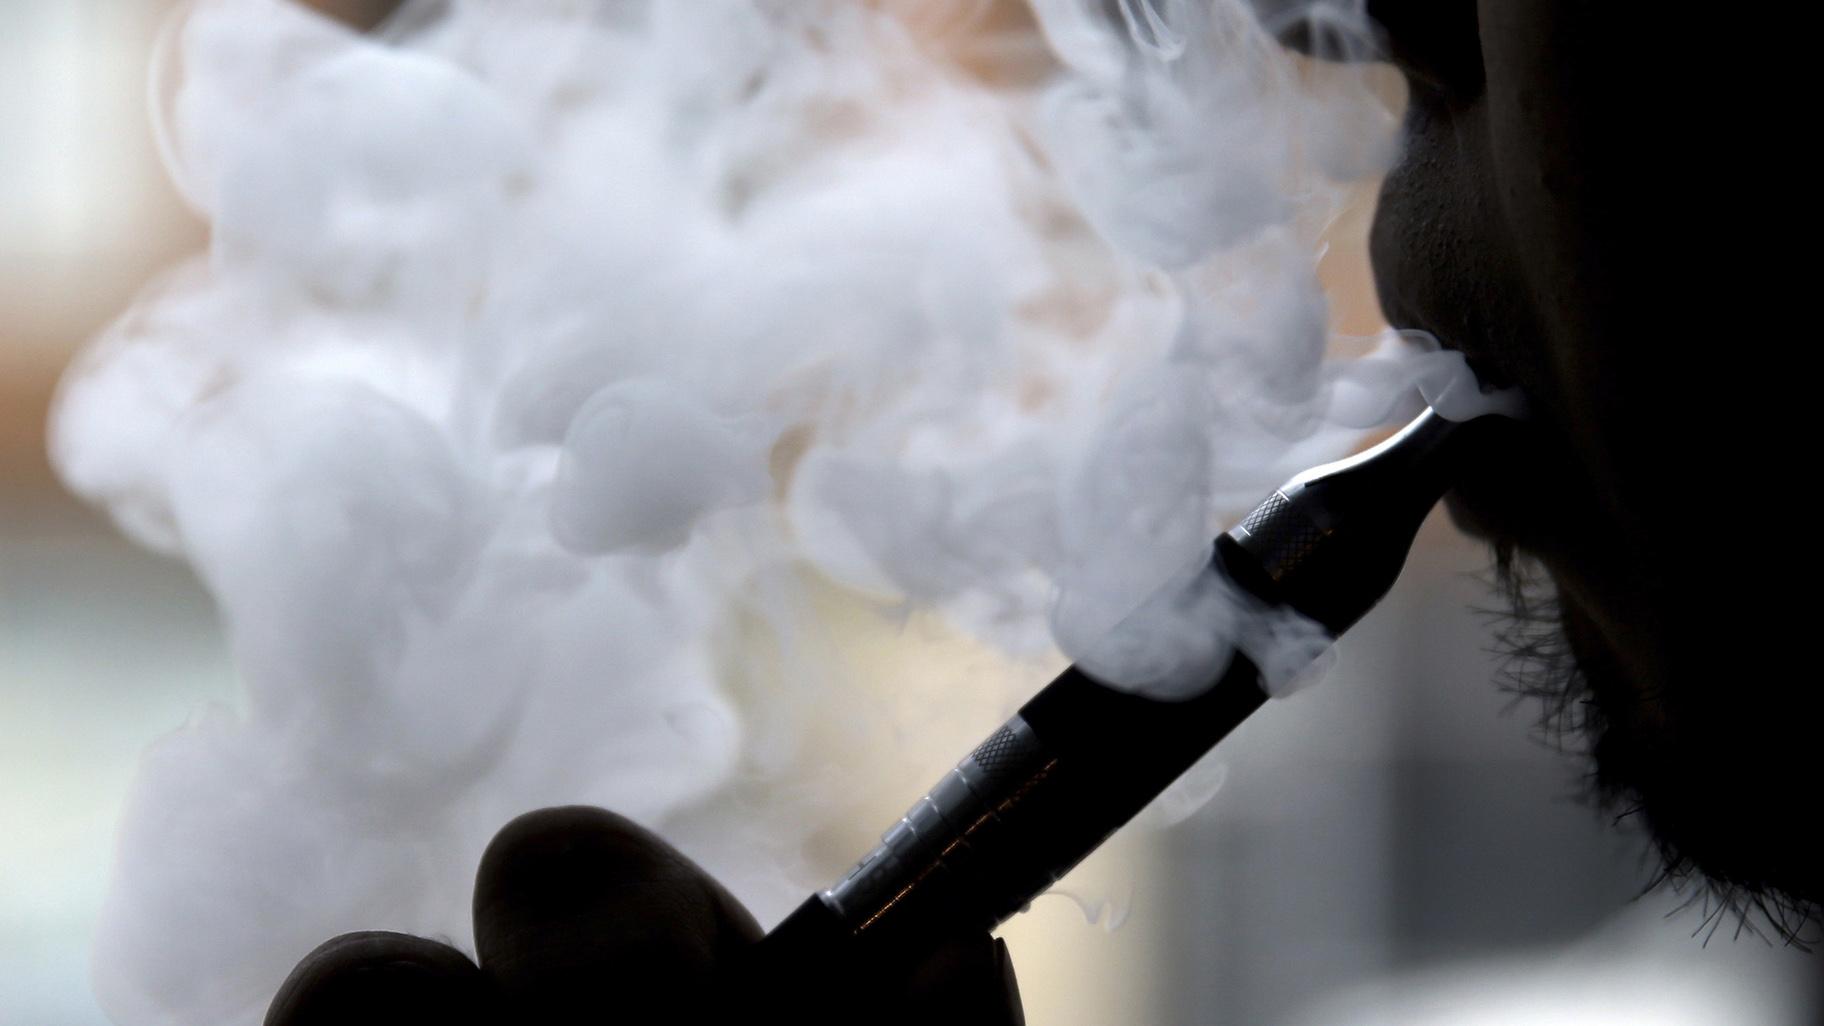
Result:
{"points": [[1588, 218]]}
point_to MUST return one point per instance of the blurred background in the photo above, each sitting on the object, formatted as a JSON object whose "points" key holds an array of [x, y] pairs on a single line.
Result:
{"points": [[1390, 847]]}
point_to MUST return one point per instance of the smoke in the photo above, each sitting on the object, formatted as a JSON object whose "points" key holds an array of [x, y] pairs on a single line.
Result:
{"points": [[557, 373]]}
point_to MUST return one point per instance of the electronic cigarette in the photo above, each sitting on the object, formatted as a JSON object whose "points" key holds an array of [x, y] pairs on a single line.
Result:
{"points": [[1082, 758]]}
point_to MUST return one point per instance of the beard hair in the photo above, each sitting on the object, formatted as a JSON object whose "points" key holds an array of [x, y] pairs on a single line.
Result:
{"points": [[1538, 666]]}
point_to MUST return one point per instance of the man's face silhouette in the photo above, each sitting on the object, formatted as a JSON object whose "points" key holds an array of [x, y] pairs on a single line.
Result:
{"points": [[1573, 213]]}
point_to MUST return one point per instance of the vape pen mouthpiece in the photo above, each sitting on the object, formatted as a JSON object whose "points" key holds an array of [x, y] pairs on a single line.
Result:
{"points": [[1331, 541]]}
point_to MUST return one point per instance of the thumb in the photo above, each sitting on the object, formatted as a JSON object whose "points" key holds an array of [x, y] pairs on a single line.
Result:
{"points": [[966, 981]]}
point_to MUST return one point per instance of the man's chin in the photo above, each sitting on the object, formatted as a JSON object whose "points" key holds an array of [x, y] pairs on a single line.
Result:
{"points": [[1744, 858], [1721, 806]]}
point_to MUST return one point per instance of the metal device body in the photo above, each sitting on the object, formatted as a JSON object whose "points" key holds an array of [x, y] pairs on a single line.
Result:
{"points": [[1082, 758]]}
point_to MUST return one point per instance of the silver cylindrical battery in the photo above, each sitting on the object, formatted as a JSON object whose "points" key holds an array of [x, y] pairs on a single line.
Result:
{"points": [[933, 836]]}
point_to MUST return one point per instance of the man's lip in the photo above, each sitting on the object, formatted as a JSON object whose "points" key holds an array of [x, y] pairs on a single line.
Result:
{"points": [[1494, 498], [1503, 496], [1503, 513], [1481, 498], [1519, 490]]}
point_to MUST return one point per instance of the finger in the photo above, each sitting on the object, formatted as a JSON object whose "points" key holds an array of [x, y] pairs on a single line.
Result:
{"points": [[969, 980], [366, 979], [580, 911]]}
